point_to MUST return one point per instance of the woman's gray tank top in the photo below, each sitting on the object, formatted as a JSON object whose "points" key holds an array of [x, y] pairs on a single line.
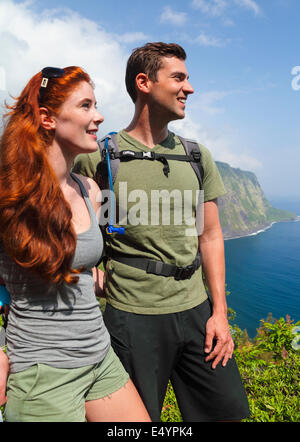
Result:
{"points": [[61, 326]]}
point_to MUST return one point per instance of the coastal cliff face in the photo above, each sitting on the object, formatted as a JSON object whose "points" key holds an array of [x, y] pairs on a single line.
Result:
{"points": [[245, 209]]}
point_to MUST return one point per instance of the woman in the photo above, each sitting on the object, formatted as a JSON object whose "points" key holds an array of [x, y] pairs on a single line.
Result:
{"points": [[61, 364]]}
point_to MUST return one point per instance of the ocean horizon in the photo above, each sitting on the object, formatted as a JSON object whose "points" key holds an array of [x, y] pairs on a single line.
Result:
{"points": [[263, 272]]}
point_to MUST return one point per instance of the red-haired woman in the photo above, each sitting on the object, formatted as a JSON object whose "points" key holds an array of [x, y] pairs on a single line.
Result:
{"points": [[61, 364]]}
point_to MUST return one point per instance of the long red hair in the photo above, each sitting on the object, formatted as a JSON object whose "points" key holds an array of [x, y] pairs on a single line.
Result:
{"points": [[35, 219]]}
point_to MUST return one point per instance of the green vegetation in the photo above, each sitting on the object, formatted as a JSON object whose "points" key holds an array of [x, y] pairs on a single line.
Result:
{"points": [[269, 367]]}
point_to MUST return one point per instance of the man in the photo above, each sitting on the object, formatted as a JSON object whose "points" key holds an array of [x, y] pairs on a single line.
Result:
{"points": [[163, 327]]}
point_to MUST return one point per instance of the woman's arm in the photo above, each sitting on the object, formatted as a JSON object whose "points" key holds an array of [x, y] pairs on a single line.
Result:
{"points": [[4, 369], [94, 194]]}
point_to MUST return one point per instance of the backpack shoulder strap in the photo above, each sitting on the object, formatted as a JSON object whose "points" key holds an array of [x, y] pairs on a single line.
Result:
{"points": [[192, 146], [114, 165]]}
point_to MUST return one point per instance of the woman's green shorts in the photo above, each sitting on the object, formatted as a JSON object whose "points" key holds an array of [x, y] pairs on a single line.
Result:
{"points": [[47, 394]]}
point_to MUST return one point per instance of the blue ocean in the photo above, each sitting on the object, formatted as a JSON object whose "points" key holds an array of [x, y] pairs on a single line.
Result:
{"points": [[263, 273]]}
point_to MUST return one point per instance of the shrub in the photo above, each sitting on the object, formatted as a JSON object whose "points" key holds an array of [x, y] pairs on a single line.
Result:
{"points": [[269, 367]]}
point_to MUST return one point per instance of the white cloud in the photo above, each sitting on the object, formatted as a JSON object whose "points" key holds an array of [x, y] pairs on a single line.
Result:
{"points": [[132, 37], [206, 102], [204, 39], [223, 144], [223, 141], [249, 4], [218, 7], [170, 16], [211, 7], [31, 41]]}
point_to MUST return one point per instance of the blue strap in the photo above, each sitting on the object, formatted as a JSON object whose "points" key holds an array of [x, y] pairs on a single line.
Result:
{"points": [[111, 228]]}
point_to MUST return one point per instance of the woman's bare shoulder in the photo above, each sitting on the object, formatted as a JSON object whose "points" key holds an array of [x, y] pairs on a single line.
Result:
{"points": [[91, 187]]}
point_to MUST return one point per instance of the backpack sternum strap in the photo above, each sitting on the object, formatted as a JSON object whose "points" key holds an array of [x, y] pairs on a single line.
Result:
{"points": [[133, 155], [193, 155]]}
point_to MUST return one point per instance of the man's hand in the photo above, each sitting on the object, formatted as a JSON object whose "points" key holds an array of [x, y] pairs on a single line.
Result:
{"points": [[217, 329]]}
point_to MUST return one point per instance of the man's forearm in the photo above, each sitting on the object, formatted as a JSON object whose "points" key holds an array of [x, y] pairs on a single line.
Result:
{"points": [[211, 246], [212, 251]]}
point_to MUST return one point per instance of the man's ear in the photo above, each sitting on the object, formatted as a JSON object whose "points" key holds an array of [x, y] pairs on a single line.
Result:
{"points": [[47, 121], [143, 82]]}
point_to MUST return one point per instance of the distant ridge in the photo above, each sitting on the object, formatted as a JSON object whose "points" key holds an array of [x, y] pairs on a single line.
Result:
{"points": [[245, 210]]}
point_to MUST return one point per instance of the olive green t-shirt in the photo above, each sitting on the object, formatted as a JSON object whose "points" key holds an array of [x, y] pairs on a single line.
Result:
{"points": [[158, 213]]}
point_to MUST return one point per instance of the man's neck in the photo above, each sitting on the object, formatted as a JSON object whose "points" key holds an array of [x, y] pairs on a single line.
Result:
{"points": [[146, 130]]}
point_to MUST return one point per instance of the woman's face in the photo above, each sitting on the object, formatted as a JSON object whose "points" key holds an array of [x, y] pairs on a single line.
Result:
{"points": [[77, 123]]}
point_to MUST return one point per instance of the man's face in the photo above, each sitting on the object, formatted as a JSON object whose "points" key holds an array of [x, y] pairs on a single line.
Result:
{"points": [[169, 93]]}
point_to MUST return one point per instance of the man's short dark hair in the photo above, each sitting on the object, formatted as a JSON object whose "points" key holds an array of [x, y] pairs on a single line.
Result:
{"points": [[147, 60]]}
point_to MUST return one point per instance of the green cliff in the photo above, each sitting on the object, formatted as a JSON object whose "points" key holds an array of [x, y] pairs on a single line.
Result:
{"points": [[245, 209]]}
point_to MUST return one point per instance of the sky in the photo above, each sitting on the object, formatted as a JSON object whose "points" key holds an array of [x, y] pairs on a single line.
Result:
{"points": [[243, 60]]}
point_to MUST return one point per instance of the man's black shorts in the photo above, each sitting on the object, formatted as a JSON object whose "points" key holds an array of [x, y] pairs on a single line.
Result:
{"points": [[156, 348]]}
